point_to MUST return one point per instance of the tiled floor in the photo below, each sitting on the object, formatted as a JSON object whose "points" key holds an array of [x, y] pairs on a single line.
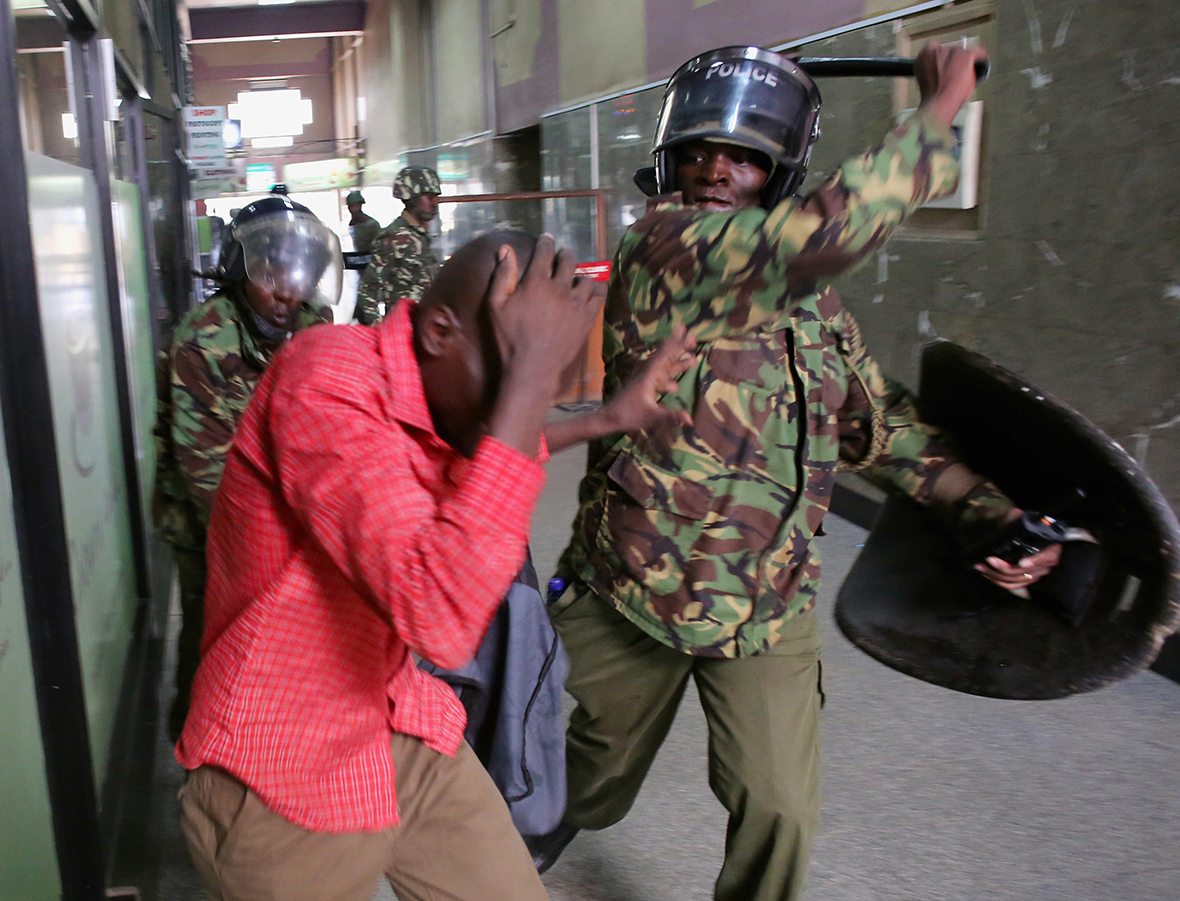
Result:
{"points": [[928, 794]]}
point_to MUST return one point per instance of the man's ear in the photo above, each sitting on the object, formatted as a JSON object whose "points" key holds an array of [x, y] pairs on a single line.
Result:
{"points": [[437, 328]]}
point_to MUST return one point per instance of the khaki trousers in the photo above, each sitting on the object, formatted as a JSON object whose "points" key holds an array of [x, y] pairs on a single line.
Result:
{"points": [[763, 719], [456, 841]]}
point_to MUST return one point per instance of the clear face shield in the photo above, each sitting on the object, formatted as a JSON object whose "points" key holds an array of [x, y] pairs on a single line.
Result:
{"points": [[292, 254]]}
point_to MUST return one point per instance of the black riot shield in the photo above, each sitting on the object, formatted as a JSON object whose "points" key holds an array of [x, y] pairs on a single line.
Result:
{"points": [[912, 602]]}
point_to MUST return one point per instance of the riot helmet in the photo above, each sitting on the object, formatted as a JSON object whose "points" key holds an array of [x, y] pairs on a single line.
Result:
{"points": [[740, 95], [281, 246], [414, 181]]}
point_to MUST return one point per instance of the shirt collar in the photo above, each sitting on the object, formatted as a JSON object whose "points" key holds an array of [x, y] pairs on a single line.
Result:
{"points": [[407, 396]]}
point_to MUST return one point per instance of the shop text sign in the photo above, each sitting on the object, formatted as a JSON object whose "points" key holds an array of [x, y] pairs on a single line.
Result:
{"points": [[596, 272], [204, 127], [215, 177]]}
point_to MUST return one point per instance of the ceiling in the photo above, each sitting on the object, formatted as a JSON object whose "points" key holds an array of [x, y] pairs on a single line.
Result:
{"points": [[203, 4], [239, 20]]}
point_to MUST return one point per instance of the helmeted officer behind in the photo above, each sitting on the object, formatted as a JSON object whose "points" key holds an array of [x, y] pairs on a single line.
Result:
{"points": [[279, 267], [692, 553], [403, 264], [364, 227]]}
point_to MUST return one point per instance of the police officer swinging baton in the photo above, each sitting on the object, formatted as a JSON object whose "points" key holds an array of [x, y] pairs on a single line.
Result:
{"points": [[649, 182]]}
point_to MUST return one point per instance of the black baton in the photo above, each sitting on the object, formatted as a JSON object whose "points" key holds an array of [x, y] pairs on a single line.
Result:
{"points": [[846, 67]]}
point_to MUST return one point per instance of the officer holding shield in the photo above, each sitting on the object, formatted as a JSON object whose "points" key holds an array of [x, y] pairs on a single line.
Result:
{"points": [[692, 553]]}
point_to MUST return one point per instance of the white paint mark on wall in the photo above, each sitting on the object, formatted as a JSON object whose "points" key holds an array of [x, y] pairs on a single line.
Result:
{"points": [[1139, 449], [1175, 79], [1063, 28], [1049, 253], [883, 259], [1129, 77], [1172, 292], [925, 329], [976, 298], [1143, 439], [1171, 423], [1034, 28], [1037, 78], [1042, 143]]}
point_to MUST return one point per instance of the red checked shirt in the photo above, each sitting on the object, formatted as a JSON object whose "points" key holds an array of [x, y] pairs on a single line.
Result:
{"points": [[345, 535]]}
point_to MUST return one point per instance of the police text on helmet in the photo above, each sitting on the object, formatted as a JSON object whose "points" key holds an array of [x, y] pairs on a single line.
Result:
{"points": [[747, 70]]}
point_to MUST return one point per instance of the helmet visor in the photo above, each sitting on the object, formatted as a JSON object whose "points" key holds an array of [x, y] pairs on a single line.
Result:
{"points": [[741, 95], [294, 255]]}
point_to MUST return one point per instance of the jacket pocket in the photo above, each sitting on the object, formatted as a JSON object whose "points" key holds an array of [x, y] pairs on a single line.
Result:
{"points": [[652, 522], [652, 487]]}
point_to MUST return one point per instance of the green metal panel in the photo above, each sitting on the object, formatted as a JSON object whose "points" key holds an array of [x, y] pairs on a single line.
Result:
{"points": [[28, 858]]}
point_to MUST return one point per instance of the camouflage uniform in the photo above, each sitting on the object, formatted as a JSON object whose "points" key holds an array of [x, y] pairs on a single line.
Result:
{"points": [[701, 536], [403, 265], [364, 233], [203, 385]]}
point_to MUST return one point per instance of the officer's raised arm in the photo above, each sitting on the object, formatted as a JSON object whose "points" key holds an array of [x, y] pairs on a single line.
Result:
{"points": [[946, 78]]}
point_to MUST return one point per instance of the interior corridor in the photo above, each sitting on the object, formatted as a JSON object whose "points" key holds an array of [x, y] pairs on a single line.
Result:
{"points": [[928, 795]]}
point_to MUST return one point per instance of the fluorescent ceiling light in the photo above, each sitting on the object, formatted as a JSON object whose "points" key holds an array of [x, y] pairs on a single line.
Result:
{"points": [[285, 141], [69, 126], [270, 114], [275, 2]]}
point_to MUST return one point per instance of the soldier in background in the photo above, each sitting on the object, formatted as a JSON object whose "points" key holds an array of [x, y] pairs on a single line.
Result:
{"points": [[217, 357], [403, 264], [692, 553], [364, 227]]}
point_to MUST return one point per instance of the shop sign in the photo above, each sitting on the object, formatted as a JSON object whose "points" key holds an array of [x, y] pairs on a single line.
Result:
{"points": [[597, 272], [384, 172], [204, 128], [221, 177], [260, 177], [320, 175], [453, 166]]}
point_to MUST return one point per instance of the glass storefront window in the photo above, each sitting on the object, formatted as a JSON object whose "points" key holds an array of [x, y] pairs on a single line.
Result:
{"points": [[565, 151], [625, 128], [47, 122], [571, 220], [460, 222]]}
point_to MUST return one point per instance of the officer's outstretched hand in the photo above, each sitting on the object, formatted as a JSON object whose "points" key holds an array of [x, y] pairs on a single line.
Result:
{"points": [[1020, 575], [946, 77], [638, 405]]}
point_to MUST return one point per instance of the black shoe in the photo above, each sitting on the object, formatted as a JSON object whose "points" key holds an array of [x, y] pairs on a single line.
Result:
{"points": [[547, 848]]}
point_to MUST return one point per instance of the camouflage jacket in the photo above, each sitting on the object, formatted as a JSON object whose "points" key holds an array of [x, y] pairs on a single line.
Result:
{"points": [[203, 384], [403, 265], [364, 233], [701, 536]]}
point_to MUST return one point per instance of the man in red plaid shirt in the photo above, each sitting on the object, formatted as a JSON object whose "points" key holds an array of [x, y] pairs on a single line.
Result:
{"points": [[375, 505]]}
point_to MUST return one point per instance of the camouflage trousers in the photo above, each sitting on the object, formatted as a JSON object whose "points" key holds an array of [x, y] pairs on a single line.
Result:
{"points": [[763, 719], [192, 575]]}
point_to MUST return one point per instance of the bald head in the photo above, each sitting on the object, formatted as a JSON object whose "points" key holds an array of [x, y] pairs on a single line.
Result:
{"points": [[455, 338], [463, 282]]}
